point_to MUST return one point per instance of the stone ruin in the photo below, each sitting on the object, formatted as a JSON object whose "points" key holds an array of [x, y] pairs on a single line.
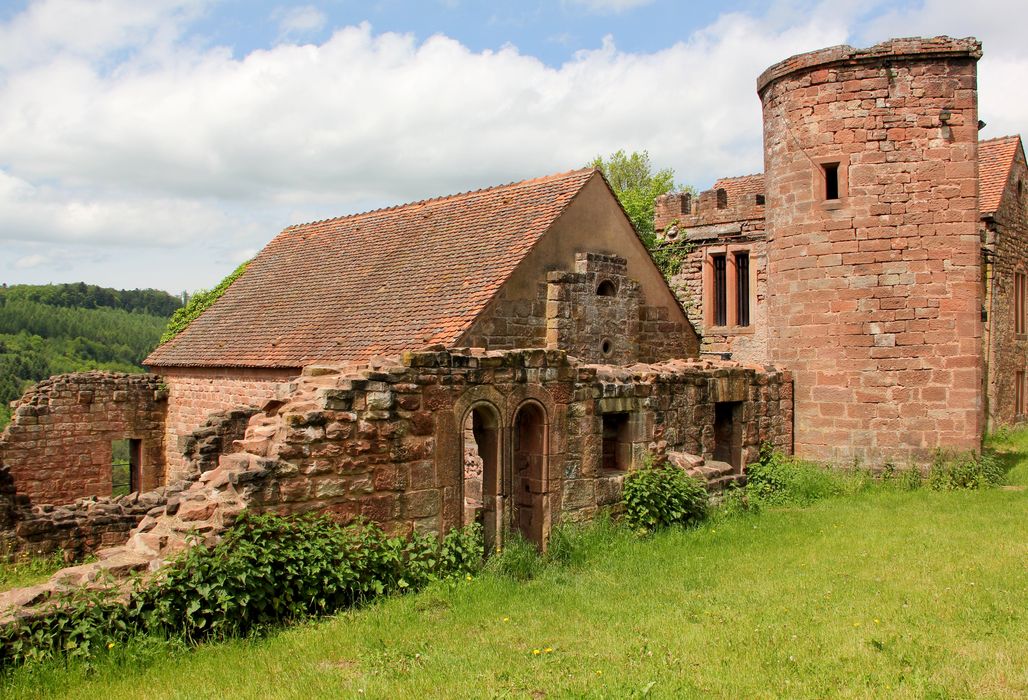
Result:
{"points": [[550, 439]]}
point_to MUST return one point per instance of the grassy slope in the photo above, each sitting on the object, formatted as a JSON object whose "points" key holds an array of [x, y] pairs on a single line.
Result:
{"points": [[907, 594]]}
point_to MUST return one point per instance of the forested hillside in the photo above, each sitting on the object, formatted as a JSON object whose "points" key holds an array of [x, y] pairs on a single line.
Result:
{"points": [[50, 329]]}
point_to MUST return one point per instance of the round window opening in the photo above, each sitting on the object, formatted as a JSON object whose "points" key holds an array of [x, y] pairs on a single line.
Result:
{"points": [[607, 347], [606, 289]]}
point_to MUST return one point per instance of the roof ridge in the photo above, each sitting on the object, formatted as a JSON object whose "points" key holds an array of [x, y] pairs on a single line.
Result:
{"points": [[739, 177], [1001, 138], [445, 197]]}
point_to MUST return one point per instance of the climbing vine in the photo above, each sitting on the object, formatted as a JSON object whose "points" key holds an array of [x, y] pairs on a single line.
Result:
{"points": [[200, 302], [669, 256]]}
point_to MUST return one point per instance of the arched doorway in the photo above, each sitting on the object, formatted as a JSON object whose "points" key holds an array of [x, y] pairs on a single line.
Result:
{"points": [[529, 497], [480, 447]]}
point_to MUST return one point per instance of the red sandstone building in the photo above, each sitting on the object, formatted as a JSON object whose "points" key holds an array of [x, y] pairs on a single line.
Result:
{"points": [[507, 355], [881, 256]]}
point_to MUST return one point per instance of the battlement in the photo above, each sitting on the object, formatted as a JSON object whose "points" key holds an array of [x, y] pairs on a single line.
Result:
{"points": [[938, 47], [731, 199]]}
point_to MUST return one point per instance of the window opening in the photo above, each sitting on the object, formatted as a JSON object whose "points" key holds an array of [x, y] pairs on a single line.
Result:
{"points": [[760, 200], [481, 471], [606, 347], [606, 289], [722, 198], [1020, 294], [125, 460], [617, 445], [742, 289], [728, 432], [720, 290], [1019, 394], [831, 171]]}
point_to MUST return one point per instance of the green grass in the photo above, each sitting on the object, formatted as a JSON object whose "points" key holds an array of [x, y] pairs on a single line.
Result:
{"points": [[29, 572], [878, 592]]}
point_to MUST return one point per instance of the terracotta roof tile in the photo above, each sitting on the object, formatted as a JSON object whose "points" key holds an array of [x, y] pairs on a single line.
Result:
{"points": [[380, 282], [995, 158], [742, 189]]}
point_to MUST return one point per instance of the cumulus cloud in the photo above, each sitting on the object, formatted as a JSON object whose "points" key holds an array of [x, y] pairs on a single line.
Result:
{"points": [[134, 136]]}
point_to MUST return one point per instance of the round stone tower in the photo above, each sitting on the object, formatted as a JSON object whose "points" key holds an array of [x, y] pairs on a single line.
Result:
{"points": [[874, 255]]}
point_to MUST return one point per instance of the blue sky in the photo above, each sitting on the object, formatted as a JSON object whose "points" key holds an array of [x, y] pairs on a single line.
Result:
{"points": [[160, 143]]}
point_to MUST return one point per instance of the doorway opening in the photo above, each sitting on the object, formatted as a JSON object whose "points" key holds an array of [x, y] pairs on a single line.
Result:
{"points": [[617, 443], [529, 497], [481, 453]]}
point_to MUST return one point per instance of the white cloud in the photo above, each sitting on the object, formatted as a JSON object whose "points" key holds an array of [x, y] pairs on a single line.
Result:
{"points": [[299, 21], [610, 6], [113, 139]]}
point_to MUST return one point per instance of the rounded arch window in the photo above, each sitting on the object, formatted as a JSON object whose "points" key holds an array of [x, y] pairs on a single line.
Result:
{"points": [[606, 289]]}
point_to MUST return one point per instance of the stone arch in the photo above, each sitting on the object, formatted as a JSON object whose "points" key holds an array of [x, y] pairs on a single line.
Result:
{"points": [[530, 451], [480, 421]]}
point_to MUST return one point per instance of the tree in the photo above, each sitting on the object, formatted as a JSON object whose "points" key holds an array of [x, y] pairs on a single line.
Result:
{"points": [[636, 186]]}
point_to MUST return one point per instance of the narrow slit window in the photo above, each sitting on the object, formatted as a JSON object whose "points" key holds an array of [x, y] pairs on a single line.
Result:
{"points": [[1019, 397], [831, 171], [1020, 290], [742, 289], [126, 457], [720, 289]]}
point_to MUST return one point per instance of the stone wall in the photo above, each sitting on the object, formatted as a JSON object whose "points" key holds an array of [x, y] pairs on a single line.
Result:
{"points": [[875, 295], [386, 443], [58, 444], [707, 225], [217, 436], [1007, 244], [197, 392]]}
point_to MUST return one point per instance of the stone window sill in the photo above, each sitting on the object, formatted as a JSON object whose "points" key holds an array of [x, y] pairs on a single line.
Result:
{"points": [[832, 204], [729, 330]]}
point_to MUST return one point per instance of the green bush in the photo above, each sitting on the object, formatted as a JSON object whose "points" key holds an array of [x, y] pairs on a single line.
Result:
{"points": [[779, 479], [267, 570], [200, 302], [75, 624], [658, 497], [964, 471]]}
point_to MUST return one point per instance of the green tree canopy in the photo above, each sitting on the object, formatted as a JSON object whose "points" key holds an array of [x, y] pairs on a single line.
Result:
{"points": [[636, 186]]}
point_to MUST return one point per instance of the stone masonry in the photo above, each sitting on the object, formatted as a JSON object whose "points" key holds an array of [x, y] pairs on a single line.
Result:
{"points": [[1006, 256], [875, 295], [58, 444]]}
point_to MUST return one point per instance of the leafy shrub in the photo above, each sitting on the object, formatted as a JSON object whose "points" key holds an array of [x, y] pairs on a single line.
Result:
{"points": [[658, 497], [268, 570], [964, 471], [76, 624], [776, 478]]}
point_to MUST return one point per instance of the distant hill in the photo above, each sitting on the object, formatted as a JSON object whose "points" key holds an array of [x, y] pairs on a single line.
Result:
{"points": [[55, 328]]}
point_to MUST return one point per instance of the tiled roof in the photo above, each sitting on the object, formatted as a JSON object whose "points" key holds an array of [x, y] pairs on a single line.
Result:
{"points": [[346, 289], [995, 158], [741, 190]]}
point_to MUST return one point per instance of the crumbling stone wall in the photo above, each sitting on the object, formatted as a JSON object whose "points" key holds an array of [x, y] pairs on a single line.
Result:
{"points": [[709, 224], [1007, 251], [58, 444], [874, 297], [217, 436], [386, 443], [197, 392]]}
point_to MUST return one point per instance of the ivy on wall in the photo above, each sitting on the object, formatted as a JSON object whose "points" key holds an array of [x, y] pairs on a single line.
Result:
{"points": [[200, 302]]}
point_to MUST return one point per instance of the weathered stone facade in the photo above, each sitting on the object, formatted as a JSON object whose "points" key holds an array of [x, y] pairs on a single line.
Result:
{"points": [[194, 393], [890, 368], [1005, 259], [58, 444], [727, 220]]}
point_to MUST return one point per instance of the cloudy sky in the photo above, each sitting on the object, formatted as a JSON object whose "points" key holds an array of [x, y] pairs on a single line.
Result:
{"points": [[160, 143]]}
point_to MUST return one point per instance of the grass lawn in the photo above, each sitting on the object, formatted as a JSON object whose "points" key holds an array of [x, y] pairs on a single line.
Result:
{"points": [[29, 572], [883, 593]]}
